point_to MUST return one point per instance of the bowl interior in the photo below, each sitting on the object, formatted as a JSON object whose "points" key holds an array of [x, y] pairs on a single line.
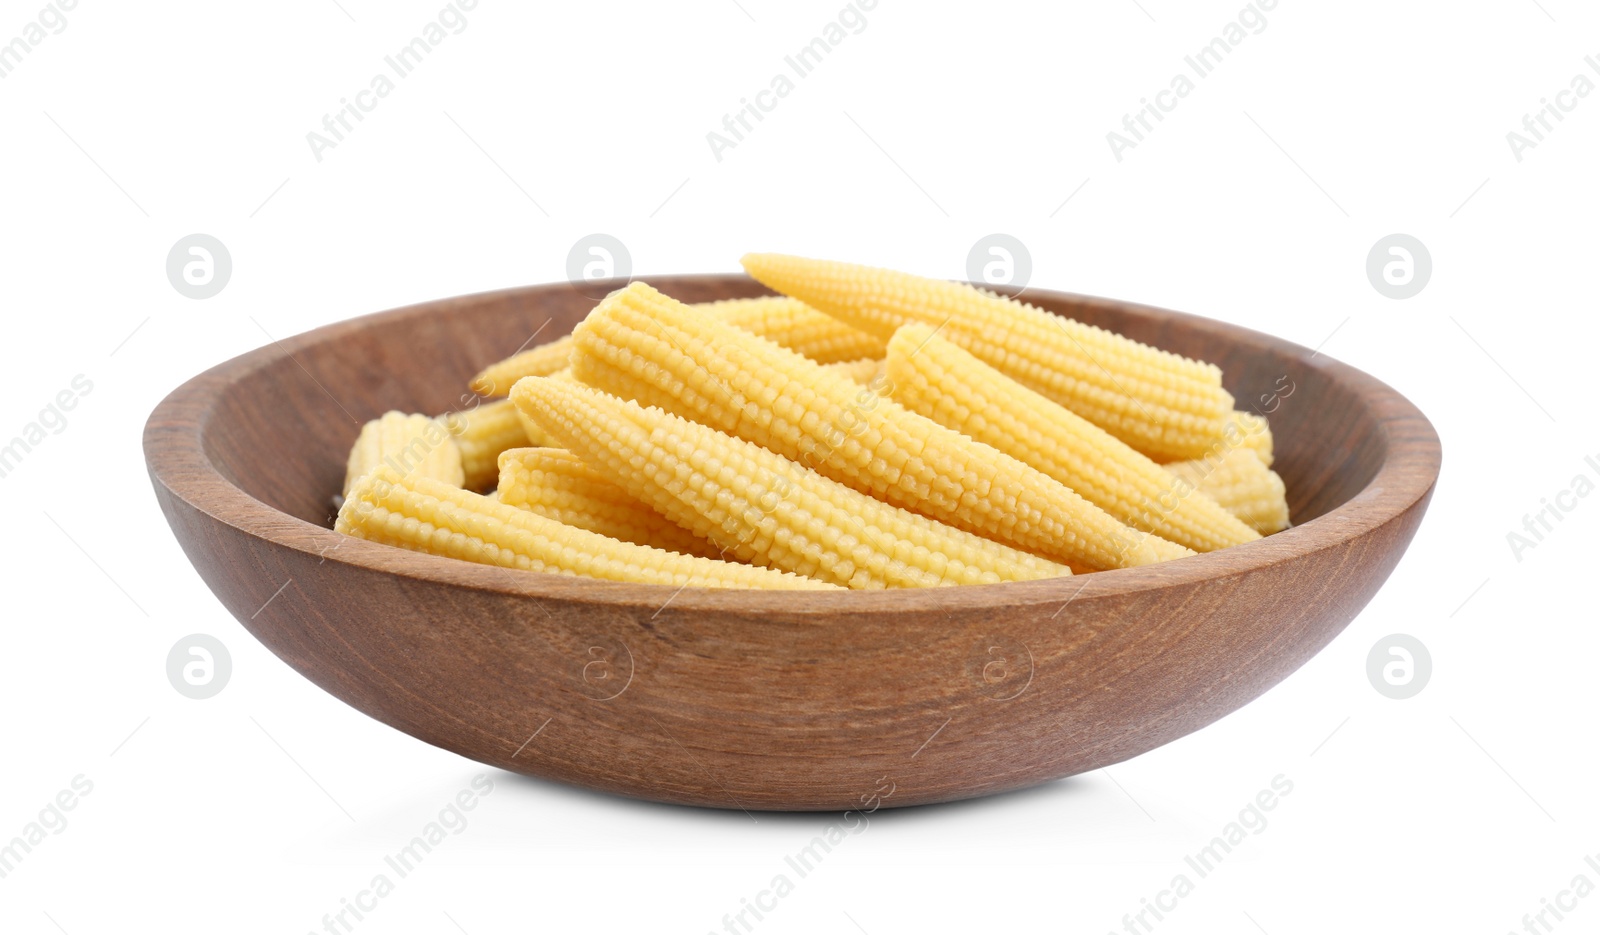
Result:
{"points": [[419, 360]]}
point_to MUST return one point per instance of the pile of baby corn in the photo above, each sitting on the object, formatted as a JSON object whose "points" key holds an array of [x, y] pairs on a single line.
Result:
{"points": [[863, 429]]}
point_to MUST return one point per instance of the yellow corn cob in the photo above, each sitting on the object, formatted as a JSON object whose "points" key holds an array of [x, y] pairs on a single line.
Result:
{"points": [[428, 516], [481, 434], [1166, 406], [1245, 430], [531, 431], [929, 375], [411, 444], [642, 345], [1242, 485], [557, 484], [1253, 433], [787, 321], [535, 435], [862, 371], [540, 361], [798, 327], [762, 507]]}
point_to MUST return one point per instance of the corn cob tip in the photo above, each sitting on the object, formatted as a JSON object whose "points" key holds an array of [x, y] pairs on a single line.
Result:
{"points": [[910, 336], [778, 318], [412, 442], [1242, 484], [528, 392], [481, 433], [372, 485], [536, 398], [512, 454], [497, 379]]}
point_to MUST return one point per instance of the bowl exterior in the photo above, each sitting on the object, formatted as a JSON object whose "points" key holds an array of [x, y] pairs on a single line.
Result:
{"points": [[761, 701]]}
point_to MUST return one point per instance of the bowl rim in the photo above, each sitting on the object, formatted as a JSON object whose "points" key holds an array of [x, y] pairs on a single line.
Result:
{"points": [[176, 459]]}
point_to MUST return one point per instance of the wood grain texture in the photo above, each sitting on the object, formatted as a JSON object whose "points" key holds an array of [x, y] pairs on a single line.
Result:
{"points": [[761, 700]]}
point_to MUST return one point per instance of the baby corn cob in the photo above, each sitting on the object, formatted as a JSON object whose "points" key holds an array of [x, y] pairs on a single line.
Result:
{"points": [[934, 377], [798, 327], [761, 506], [531, 432], [862, 371], [1166, 406], [787, 321], [481, 434], [642, 345], [557, 484], [411, 444], [541, 361], [1242, 485], [429, 516], [1245, 430], [1253, 433]]}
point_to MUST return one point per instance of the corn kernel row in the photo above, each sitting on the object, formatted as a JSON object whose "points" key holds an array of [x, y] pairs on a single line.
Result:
{"points": [[556, 483], [1244, 486], [412, 444]]}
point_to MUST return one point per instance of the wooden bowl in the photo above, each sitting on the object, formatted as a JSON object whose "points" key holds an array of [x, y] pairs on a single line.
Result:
{"points": [[752, 699]]}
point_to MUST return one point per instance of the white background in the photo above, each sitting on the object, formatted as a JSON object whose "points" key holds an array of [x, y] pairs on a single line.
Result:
{"points": [[1256, 201]]}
